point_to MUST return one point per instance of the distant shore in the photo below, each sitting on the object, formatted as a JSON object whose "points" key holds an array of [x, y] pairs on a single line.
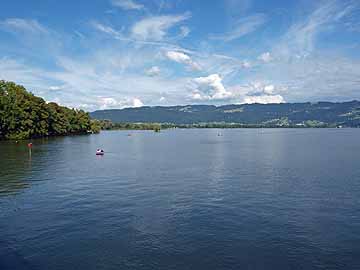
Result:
{"points": [[108, 125]]}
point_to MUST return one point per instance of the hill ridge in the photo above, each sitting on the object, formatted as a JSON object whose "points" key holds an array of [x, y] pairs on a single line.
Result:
{"points": [[284, 114]]}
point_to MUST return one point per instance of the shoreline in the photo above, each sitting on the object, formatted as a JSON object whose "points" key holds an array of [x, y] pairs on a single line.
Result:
{"points": [[171, 128]]}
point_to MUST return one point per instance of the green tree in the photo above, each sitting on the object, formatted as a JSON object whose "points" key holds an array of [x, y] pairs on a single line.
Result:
{"points": [[23, 115]]}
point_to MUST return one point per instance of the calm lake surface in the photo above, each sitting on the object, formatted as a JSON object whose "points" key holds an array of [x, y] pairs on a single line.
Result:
{"points": [[183, 199]]}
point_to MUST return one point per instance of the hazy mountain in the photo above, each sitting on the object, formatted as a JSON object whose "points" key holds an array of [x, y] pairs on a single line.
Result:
{"points": [[286, 114]]}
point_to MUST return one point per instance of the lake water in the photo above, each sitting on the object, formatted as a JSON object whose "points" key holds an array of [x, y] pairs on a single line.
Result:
{"points": [[183, 199]]}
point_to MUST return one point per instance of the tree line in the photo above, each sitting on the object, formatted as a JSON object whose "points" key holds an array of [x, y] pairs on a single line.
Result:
{"points": [[24, 115], [109, 125]]}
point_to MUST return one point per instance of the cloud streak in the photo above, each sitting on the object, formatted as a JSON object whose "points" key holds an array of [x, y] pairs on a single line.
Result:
{"points": [[23, 26], [153, 71], [300, 39], [243, 27], [155, 28], [183, 58], [127, 4]]}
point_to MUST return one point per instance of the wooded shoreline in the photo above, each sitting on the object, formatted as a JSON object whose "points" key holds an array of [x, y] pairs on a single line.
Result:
{"points": [[24, 115]]}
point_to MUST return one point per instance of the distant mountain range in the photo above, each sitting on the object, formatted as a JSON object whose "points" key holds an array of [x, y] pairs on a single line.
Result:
{"points": [[345, 114]]}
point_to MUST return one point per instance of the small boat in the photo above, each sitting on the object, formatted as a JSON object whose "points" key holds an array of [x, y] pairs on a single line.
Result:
{"points": [[100, 152]]}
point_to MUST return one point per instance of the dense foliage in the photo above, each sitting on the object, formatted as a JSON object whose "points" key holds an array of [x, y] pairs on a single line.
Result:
{"points": [[320, 114], [24, 115]]}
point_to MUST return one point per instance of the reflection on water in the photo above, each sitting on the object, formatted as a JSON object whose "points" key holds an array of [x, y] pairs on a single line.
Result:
{"points": [[15, 166], [183, 199]]}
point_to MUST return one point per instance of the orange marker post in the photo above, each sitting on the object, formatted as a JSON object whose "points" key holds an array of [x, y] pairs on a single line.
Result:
{"points": [[30, 147]]}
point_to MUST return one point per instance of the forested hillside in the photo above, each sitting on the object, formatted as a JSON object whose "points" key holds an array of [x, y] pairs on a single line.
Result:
{"points": [[23, 115]]}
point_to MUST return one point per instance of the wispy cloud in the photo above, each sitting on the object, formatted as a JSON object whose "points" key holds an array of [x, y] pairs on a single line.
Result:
{"points": [[155, 28], [153, 71], [301, 37], [229, 67], [110, 31], [236, 7], [57, 87], [265, 57], [148, 37], [103, 76], [184, 31], [242, 28], [308, 72], [127, 4], [182, 58], [21, 73], [22, 25]]}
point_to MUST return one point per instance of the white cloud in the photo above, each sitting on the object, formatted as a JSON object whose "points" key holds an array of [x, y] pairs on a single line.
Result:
{"points": [[56, 87], [127, 4], [269, 89], [243, 27], [137, 39], [259, 88], [104, 28], [155, 28], [108, 103], [110, 31], [101, 75], [258, 92], [321, 77], [210, 88], [246, 64], [112, 103], [23, 25], [137, 103], [153, 71], [21, 73], [263, 99], [182, 58], [184, 31], [178, 57], [107, 79], [265, 57], [84, 106], [227, 66]]}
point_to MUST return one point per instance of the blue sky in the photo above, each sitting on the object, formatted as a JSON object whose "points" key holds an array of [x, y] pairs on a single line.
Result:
{"points": [[103, 54]]}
